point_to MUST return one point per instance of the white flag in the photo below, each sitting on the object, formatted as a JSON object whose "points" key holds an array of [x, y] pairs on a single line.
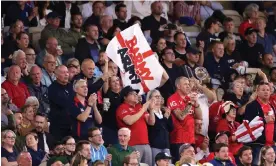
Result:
{"points": [[137, 62]]}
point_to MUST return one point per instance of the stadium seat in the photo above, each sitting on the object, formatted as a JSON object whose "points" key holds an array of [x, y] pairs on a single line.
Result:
{"points": [[193, 28], [143, 164], [234, 15]]}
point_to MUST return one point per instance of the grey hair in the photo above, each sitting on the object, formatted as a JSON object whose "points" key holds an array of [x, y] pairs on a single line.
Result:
{"points": [[15, 55], [177, 81], [77, 83], [47, 56], [31, 99], [249, 9], [5, 132], [125, 129], [71, 60], [149, 95]]}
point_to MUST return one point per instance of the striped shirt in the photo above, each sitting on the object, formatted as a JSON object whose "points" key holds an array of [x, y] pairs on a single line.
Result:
{"points": [[98, 154]]}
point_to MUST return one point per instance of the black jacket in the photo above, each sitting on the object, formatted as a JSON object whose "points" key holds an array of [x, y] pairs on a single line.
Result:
{"points": [[254, 109], [49, 140], [61, 10], [83, 50], [159, 133]]}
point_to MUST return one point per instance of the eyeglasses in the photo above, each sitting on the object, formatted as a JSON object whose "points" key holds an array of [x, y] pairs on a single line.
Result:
{"points": [[59, 149], [13, 137], [71, 144]]}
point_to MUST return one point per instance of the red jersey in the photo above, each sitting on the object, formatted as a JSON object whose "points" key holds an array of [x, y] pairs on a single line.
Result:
{"points": [[184, 130], [224, 125], [139, 130], [244, 25], [273, 100], [215, 115], [17, 93]]}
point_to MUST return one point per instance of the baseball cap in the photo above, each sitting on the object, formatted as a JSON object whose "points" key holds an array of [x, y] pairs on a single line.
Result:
{"points": [[184, 147], [53, 15], [250, 30], [227, 105], [162, 155], [126, 90], [222, 133], [193, 50]]}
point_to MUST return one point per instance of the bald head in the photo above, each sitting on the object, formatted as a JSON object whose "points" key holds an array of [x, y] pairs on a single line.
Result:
{"points": [[88, 67], [62, 74]]}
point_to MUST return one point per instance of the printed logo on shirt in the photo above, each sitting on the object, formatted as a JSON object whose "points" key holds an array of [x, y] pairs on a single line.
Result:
{"points": [[124, 111], [173, 104]]}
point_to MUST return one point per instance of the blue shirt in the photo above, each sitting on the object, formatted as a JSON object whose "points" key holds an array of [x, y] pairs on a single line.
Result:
{"points": [[79, 129], [268, 41], [99, 154]]}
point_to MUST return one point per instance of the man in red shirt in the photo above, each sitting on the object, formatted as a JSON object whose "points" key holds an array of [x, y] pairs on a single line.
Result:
{"points": [[17, 91], [136, 117], [185, 110]]}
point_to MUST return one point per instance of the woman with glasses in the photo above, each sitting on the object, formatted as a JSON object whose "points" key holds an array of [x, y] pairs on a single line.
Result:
{"points": [[32, 147], [8, 153], [267, 156], [69, 147], [159, 132]]}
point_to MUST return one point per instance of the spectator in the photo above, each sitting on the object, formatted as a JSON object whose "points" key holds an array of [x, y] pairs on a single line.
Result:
{"points": [[267, 61], [87, 72], [113, 68], [19, 58], [187, 154], [33, 102], [88, 47], [84, 149], [69, 147], [251, 13], [76, 31], [80, 160], [110, 9], [154, 24], [216, 64], [73, 71], [84, 113], [169, 33], [211, 27], [32, 146], [66, 9], [252, 48], [43, 11], [22, 11], [129, 160], [8, 153], [86, 10], [51, 48], [138, 9], [22, 41], [183, 115], [162, 159], [109, 124], [49, 66], [201, 141], [231, 53], [222, 157], [271, 23], [113, 31], [121, 150], [60, 95], [134, 20], [267, 40], [17, 91], [6, 102], [52, 29], [106, 23], [134, 116], [56, 151], [24, 158], [159, 47], [229, 124], [194, 57], [121, 13], [159, 132], [7, 116], [45, 139], [272, 76], [37, 89], [261, 107], [207, 9], [180, 48], [98, 9], [245, 156], [30, 57], [267, 156], [27, 121], [187, 9], [229, 26], [57, 161], [74, 63], [167, 61], [102, 64], [98, 151]]}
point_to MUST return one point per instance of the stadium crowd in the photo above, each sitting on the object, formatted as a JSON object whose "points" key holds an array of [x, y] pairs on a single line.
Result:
{"points": [[63, 101]]}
